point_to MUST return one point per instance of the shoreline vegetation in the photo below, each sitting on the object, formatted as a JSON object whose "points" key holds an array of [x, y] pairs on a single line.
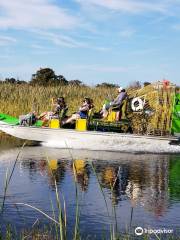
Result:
{"points": [[18, 96], [19, 99], [47, 232]]}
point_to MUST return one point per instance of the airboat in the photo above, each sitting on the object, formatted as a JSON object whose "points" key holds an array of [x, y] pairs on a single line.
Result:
{"points": [[150, 123]]}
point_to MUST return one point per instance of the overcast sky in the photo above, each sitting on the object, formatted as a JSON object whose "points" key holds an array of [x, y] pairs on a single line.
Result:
{"points": [[117, 41]]}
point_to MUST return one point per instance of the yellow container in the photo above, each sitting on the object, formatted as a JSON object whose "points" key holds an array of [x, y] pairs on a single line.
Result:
{"points": [[111, 116], [53, 164], [79, 165], [109, 175], [81, 124], [54, 123]]}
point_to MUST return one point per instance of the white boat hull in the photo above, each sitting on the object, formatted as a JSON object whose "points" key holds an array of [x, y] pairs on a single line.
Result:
{"points": [[92, 140]]}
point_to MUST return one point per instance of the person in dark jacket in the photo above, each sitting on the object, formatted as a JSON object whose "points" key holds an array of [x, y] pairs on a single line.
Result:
{"points": [[62, 107]]}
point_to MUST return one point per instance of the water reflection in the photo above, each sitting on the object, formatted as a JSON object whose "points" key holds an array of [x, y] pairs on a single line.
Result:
{"points": [[174, 177], [7, 142], [54, 169], [150, 181], [143, 188], [82, 173]]}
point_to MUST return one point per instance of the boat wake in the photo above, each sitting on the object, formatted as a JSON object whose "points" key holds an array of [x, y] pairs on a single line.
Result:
{"points": [[140, 146]]}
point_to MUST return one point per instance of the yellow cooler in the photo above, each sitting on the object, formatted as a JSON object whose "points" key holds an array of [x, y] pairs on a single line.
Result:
{"points": [[54, 123], [111, 116], [81, 124]]}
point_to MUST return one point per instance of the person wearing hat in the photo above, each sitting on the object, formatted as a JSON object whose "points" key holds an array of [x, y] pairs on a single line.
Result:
{"points": [[116, 103], [119, 99]]}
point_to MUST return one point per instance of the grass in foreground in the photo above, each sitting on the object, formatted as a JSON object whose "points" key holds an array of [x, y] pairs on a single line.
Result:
{"points": [[47, 233], [58, 225]]}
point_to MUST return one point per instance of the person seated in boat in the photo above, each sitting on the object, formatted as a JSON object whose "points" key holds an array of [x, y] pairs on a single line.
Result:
{"points": [[116, 104], [91, 108], [58, 110], [28, 119], [62, 107], [82, 113]]}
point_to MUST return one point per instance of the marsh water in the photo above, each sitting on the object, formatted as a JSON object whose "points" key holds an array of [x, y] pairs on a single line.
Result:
{"points": [[141, 190]]}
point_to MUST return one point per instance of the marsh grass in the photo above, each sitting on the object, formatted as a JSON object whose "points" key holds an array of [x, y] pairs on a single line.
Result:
{"points": [[9, 234], [46, 232], [18, 99]]}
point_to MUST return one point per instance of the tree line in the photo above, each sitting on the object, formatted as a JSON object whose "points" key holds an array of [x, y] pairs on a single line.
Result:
{"points": [[44, 77], [47, 77]]}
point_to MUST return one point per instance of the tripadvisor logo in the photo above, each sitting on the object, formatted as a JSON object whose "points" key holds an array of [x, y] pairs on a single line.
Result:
{"points": [[139, 231]]}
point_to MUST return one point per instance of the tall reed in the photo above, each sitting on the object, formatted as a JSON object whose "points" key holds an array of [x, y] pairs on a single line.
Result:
{"points": [[9, 177], [18, 99]]}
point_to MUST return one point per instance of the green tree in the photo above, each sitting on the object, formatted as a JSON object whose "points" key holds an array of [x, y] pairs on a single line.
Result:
{"points": [[47, 77], [61, 80], [21, 82], [10, 80], [75, 82], [107, 85]]}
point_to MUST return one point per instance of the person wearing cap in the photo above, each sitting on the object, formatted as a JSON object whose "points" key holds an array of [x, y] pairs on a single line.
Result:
{"points": [[116, 103], [119, 99]]}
